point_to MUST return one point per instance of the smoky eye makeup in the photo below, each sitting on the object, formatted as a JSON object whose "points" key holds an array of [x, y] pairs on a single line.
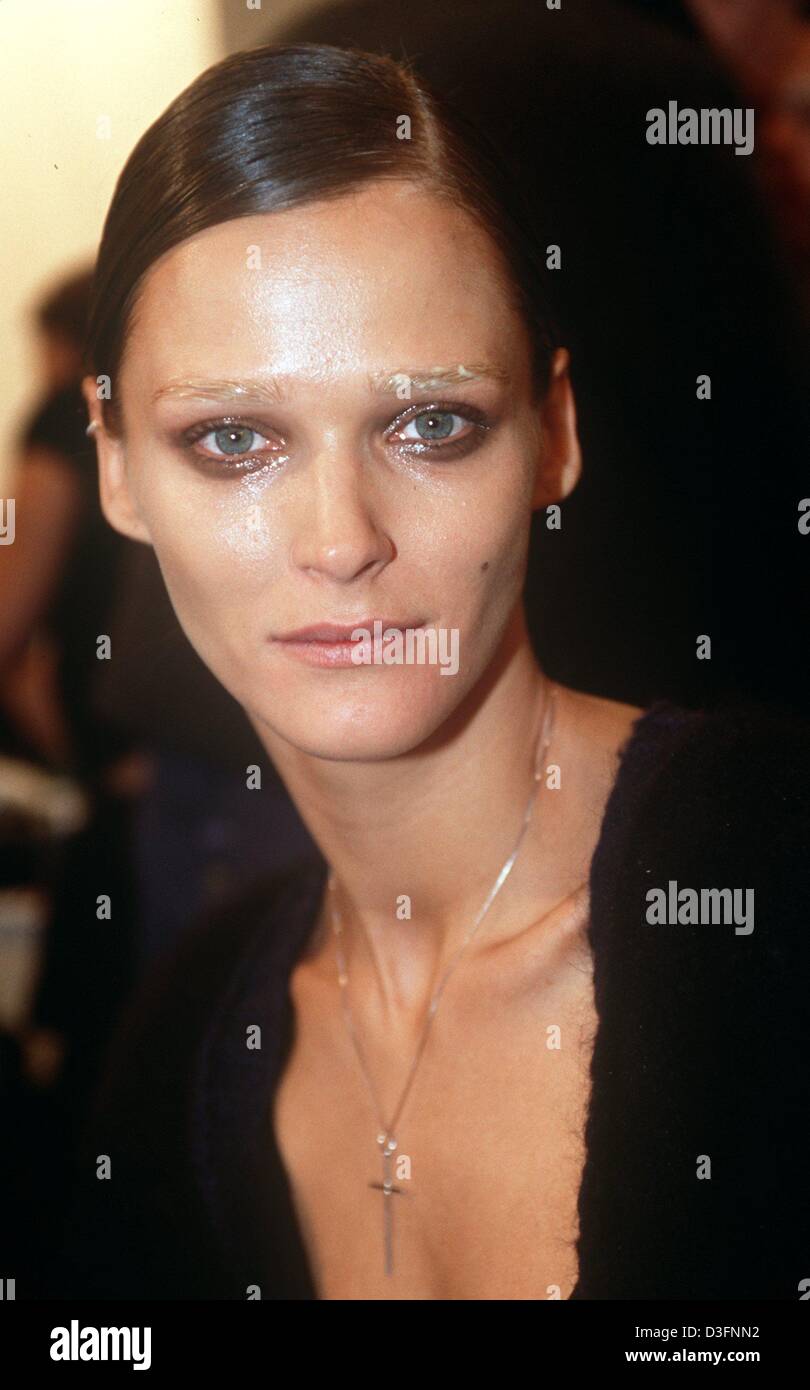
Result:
{"points": [[235, 444], [440, 430]]}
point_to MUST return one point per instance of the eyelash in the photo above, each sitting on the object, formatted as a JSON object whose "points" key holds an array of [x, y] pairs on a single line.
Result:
{"points": [[423, 448]]}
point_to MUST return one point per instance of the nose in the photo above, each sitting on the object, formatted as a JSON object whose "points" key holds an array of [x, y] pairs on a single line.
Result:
{"points": [[339, 534]]}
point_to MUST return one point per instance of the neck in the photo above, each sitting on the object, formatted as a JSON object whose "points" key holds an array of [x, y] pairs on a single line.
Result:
{"points": [[436, 824]]}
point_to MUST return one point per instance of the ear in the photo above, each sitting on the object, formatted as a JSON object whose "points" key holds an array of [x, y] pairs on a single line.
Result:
{"points": [[117, 501], [560, 460]]}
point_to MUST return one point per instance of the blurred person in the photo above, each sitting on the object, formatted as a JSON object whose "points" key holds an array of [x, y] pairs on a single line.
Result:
{"points": [[57, 579], [57, 585]]}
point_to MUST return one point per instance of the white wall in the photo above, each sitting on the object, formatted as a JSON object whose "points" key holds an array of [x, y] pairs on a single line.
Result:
{"points": [[64, 64]]}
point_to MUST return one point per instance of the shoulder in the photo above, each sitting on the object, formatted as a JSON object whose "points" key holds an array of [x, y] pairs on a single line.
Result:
{"points": [[730, 766], [602, 728], [710, 800], [702, 1007]]}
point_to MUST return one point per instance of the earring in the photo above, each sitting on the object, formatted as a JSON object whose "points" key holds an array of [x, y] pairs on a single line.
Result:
{"points": [[92, 427]]}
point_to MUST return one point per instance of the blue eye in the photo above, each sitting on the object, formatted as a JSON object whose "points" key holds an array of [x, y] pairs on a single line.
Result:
{"points": [[232, 439], [440, 430], [230, 445], [434, 425]]}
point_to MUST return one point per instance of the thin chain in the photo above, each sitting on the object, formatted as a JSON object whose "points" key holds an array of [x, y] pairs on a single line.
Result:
{"points": [[543, 741]]}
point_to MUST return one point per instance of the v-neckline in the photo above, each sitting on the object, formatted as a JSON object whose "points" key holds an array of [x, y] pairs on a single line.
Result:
{"points": [[239, 1163], [283, 1211]]}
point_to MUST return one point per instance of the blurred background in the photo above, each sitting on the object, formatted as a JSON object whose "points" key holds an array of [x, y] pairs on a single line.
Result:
{"points": [[124, 817]]}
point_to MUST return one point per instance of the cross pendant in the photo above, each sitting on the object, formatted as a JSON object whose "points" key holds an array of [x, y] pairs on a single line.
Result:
{"points": [[388, 1191]]}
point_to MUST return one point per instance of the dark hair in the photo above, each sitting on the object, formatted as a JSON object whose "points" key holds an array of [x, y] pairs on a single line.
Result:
{"points": [[65, 307], [283, 125]]}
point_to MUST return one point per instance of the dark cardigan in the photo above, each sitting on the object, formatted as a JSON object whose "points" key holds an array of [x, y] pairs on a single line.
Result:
{"points": [[701, 1049]]}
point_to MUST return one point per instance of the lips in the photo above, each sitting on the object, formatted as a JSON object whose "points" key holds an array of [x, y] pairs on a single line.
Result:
{"points": [[331, 645], [332, 633]]}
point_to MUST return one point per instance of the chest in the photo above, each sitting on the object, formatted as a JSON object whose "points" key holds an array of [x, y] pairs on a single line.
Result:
{"points": [[490, 1143]]}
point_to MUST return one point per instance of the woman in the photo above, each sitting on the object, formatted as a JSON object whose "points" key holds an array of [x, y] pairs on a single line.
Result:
{"points": [[336, 399]]}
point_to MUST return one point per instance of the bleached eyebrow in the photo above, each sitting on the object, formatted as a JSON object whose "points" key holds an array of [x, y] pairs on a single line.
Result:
{"points": [[275, 389], [429, 378]]}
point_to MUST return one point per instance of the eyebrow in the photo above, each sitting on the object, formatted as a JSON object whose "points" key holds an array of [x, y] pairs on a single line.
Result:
{"points": [[275, 388]]}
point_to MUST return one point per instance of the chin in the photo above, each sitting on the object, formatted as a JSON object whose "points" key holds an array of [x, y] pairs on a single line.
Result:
{"points": [[359, 716]]}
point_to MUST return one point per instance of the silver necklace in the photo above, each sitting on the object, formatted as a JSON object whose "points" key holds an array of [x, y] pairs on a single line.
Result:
{"points": [[385, 1137]]}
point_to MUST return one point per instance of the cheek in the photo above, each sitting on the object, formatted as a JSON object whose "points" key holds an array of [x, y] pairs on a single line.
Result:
{"points": [[480, 557], [214, 599], [215, 540]]}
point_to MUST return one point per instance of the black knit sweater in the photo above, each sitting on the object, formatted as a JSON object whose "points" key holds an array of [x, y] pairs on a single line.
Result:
{"points": [[701, 1050]]}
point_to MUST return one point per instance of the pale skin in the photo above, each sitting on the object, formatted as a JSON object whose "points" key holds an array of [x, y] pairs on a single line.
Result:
{"points": [[410, 782]]}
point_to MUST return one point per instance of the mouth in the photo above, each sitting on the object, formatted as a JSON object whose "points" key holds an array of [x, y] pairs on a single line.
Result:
{"points": [[331, 644]]}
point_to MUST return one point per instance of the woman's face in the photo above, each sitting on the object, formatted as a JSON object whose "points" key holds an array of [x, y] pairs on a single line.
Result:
{"points": [[381, 461]]}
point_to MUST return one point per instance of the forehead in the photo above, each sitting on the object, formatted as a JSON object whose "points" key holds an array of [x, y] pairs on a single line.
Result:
{"points": [[338, 287]]}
